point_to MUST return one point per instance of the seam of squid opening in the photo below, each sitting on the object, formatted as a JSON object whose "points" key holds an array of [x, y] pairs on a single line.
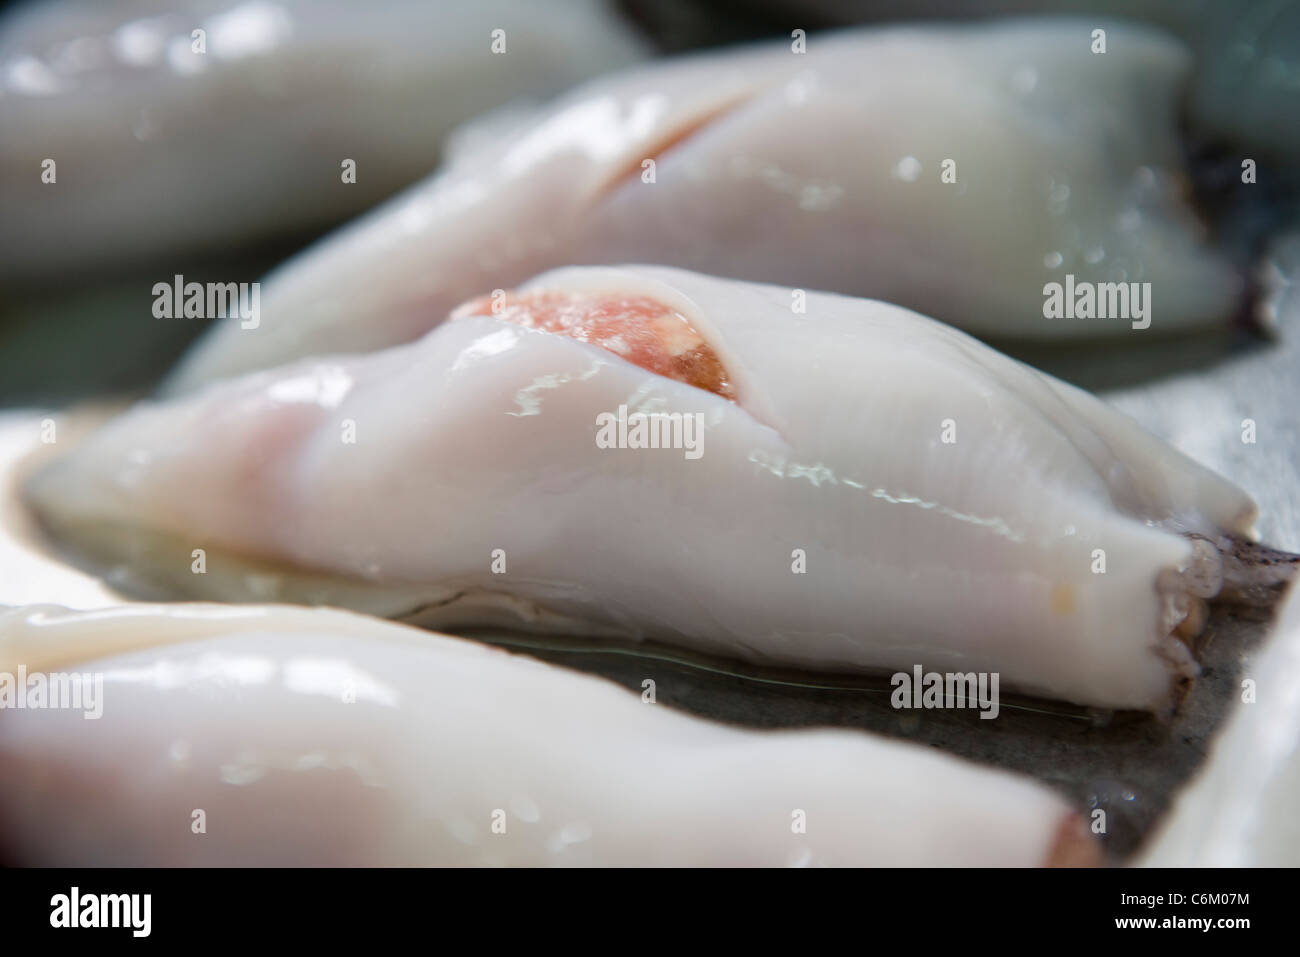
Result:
{"points": [[669, 138], [637, 328]]}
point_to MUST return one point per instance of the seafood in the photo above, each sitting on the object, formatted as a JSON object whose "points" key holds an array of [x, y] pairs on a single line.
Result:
{"points": [[1243, 89], [282, 736], [953, 170], [1240, 810], [650, 454], [160, 149]]}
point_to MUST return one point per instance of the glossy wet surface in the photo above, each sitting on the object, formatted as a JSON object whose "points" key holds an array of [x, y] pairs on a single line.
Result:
{"points": [[1194, 393], [637, 328]]}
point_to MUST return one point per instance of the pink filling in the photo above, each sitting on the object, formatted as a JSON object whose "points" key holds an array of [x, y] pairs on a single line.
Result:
{"points": [[636, 328]]}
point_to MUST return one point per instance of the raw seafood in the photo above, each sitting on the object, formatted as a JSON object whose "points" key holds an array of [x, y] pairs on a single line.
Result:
{"points": [[824, 170], [159, 149], [848, 487], [280, 736], [1240, 810]]}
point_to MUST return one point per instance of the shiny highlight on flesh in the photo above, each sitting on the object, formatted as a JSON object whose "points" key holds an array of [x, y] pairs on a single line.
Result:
{"points": [[641, 330]]}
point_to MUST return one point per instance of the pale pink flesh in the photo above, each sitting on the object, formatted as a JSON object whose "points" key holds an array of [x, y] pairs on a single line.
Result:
{"points": [[641, 330]]}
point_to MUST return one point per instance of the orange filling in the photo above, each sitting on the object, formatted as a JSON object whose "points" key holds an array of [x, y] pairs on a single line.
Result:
{"points": [[636, 328]]}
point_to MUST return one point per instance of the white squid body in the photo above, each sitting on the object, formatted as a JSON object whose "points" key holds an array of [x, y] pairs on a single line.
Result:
{"points": [[1245, 87], [828, 521], [821, 170], [324, 738], [160, 148], [1240, 811]]}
